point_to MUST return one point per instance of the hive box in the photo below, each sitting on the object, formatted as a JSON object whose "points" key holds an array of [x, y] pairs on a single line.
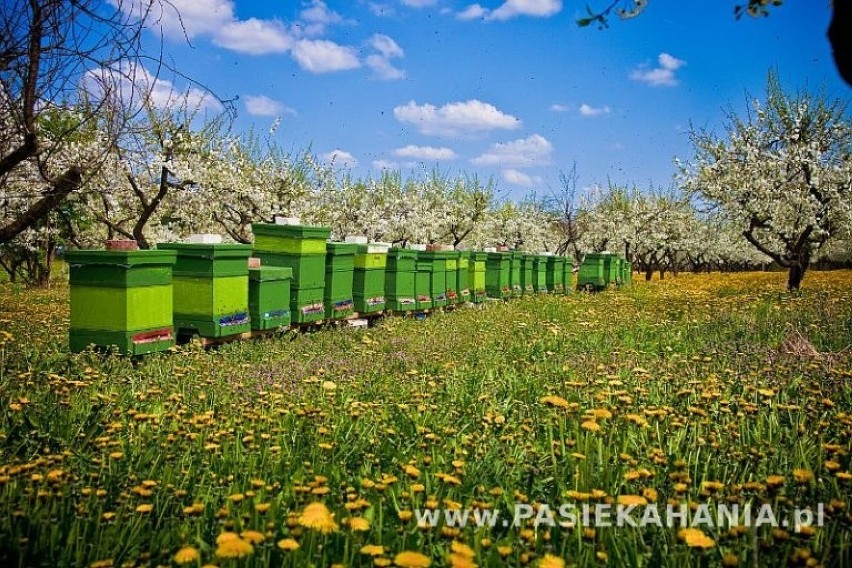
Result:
{"points": [[515, 279], [368, 284], [423, 283], [476, 276], [462, 279], [592, 275], [301, 248], [210, 288], [527, 263], [568, 275], [339, 270], [269, 297], [540, 274], [437, 276], [121, 298], [451, 258], [400, 286], [556, 274], [498, 274]]}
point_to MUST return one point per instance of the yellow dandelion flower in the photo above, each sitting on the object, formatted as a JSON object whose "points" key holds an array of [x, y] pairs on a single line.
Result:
{"points": [[649, 493], [412, 471], [233, 548], [775, 480], [462, 549], [843, 475], [634, 500], [551, 561], [288, 544], [186, 555], [552, 400], [226, 536], [405, 516], [253, 537], [316, 516], [372, 550], [590, 425], [409, 559], [695, 538], [359, 524], [459, 561], [144, 508], [802, 475]]}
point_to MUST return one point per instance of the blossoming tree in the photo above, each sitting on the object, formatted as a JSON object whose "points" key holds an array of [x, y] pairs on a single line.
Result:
{"points": [[783, 176]]}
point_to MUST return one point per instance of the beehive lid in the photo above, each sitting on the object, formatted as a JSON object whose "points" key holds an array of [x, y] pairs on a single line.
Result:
{"points": [[341, 249], [210, 251], [124, 258], [291, 231]]}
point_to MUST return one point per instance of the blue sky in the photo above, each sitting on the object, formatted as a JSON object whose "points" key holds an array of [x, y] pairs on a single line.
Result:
{"points": [[512, 89]]}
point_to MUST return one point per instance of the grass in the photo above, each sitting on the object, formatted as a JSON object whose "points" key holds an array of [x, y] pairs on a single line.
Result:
{"points": [[672, 392]]}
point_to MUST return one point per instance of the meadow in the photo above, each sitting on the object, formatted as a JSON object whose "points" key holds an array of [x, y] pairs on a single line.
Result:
{"points": [[320, 449]]}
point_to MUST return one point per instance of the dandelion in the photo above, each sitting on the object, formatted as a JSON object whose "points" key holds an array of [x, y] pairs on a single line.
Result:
{"points": [[186, 555], [632, 500], [695, 538], [409, 559], [590, 425], [552, 400], [372, 550], [551, 561], [802, 475], [144, 508], [253, 537], [359, 524], [288, 544], [233, 547], [316, 516]]}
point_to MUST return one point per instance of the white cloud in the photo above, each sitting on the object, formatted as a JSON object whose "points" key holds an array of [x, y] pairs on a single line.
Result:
{"points": [[383, 68], [663, 75], [324, 56], [317, 17], [253, 36], [129, 83], [534, 150], [425, 153], [260, 105], [457, 118], [516, 177], [379, 62], [419, 3], [512, 9], [386, 46], [588, 110], [556, 107], [184, 18], [340, 158], [472, 12]]}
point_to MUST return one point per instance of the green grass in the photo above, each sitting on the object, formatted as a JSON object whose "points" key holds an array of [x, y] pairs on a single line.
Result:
{"points": [[683, 379]]}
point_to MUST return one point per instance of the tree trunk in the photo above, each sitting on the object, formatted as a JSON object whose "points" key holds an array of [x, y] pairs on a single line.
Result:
{"points": [[649, 273], [797, 273]]}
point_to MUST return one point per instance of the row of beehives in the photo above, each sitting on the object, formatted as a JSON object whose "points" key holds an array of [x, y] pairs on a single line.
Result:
{"points": [[141, 301]]}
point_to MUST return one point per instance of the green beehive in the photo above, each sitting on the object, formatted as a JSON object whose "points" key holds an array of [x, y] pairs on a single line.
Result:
{"points": [[498, 275], [593, 272], [368, 286], [515, 277], [476, 276], [210, 288], [302, 249], [437, 276], [269, 297], [556, 274], [527, 272], [612, 268], [338, 294], [423, 282], [462, 280], [568, 276], [121, 298], [452, 275], [540, 274], [400, 287], [627, 274], [619, 277]]}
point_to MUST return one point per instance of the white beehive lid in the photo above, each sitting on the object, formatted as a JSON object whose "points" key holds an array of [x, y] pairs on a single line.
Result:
{"points": [[376, 248], [356, 239], [280, 220], [204, 238], [490, 249], [546, 253], [418, 247]]}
